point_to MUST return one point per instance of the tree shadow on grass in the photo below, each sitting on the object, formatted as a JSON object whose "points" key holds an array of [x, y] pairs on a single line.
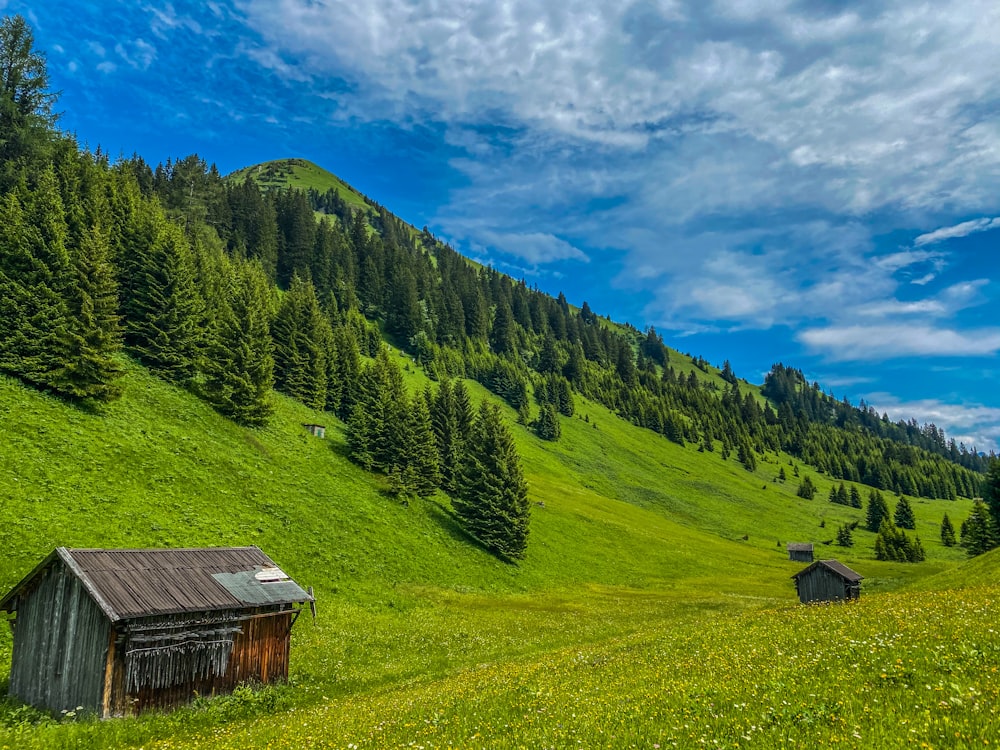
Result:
{"points": [[449, 521]]}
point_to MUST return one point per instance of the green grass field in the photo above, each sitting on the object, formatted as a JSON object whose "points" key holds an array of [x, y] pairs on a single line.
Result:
{"points": [[639, 603]]}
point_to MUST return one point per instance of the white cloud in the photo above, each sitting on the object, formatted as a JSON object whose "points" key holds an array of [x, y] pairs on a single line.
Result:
{"points": [[908, 258], [959, 230], [107, 67], [535, 247], [881, 342], [138, 53]]}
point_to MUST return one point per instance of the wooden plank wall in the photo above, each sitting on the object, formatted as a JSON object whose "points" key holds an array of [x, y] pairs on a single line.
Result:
{"points": [[60, 644], [259, 654], [821, 584]]}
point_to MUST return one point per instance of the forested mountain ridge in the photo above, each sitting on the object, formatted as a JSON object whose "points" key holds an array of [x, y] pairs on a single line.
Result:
{"points": [[231, 287]]}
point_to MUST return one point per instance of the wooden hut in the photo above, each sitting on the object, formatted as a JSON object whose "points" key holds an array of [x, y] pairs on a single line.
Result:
{"points": [[121, 631], [827, 581], [800, 551], [316, 430]]}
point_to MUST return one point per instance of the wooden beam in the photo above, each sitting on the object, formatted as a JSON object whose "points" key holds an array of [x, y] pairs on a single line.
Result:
{"points": [[109, 671]]}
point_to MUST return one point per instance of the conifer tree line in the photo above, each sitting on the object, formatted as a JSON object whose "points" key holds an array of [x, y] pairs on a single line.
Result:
{"points": [[230, 290]]}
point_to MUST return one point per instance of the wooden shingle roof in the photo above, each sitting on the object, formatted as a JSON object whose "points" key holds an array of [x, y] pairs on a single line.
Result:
{"points": [[800, 546], [837, 567], [129, 583]]}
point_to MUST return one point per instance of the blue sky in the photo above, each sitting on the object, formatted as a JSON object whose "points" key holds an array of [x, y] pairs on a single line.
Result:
{"points": [[813, 182]]}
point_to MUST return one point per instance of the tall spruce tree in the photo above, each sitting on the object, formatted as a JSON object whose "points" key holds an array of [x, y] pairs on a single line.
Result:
{"points": [[991, 492], [448, 436], [33, 284], [419, 452], [26, 116], [492, 502], [547, 425], [877, 511], [806, 488], [947, 532], [299, 351], [164, 325], [978, 533], [855, 497], [240, 365], [93, 333], [903, 515], [347, 367]]}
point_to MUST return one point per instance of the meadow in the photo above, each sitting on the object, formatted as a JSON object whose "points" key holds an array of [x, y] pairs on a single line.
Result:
{"points": [[639, 609]]}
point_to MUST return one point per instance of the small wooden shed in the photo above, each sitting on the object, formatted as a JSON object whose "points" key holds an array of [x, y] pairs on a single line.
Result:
{"points": [[316, 430], [827, 581], [121, 631], [800, 551]]}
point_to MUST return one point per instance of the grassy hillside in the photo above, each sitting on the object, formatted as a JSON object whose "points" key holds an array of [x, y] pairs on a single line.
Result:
{"points": [[630, 534], [301, 174]]}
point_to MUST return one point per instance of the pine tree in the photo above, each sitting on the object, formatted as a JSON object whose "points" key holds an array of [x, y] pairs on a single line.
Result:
{"points": [[299, 351], [419, 456], [991, 492], [447, 436], [894, 545], [163, 329], [877, 511], [465, 414], [502, 332], [855, 497], [492, 503], [806, 489], [34, 279], [26, 116], [240, 368], [903, 515], [845, 536], [93, 334], [978, 535], [361, 435], [347, 368], [947, 532], [547, 424]]}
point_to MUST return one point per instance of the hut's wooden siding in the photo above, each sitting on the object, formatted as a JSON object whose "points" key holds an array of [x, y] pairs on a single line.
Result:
{"points": [[260, 652], [60, 645], [822, 584], [800, 555], [203, 659]]}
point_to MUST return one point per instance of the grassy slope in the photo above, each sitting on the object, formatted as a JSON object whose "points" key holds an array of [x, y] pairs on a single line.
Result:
{"points": [[302, 174], [630, 533]]}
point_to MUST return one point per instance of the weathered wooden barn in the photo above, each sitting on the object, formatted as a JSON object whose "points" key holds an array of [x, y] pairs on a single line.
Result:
{"points": [[827, 581], [800, 551], [121, 631]]}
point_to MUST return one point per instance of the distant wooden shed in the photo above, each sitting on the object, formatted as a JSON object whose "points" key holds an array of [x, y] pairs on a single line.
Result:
{"points": [[316, 430], [800, 551], [121, 631], [827, 581]]}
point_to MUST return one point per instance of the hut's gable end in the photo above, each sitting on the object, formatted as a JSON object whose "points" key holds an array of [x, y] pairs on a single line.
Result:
{"points": [[800, 551], [827, 580], [61, 641]]}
